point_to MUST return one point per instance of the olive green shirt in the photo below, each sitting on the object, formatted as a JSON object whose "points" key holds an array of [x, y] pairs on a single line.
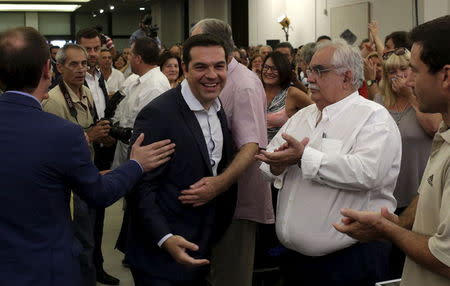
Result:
{"points": [[56, 104]]}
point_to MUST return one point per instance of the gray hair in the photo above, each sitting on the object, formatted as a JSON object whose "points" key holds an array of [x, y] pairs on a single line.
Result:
{"points": [[218, 28], [346, 57], [61, 55], [307, 51]]}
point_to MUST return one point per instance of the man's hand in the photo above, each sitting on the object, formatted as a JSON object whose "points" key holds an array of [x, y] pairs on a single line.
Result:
{"points": [[108, 141], [364, 225], [373, 28], [98, 131], [203, 191], [289, 153], [153, 155], [176, 245], [370, 70]]}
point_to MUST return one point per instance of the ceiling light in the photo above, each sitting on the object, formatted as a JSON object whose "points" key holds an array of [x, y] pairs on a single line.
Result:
{"points": [[101, 11], [39, 7], [49, 1], [111, 7], [142, 8]]}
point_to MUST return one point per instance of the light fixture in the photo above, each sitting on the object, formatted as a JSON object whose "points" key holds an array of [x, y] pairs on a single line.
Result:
{"points": [[101, 11], [285, 23], [48, 1], [142, 8], [111, 7], [39, 7]]}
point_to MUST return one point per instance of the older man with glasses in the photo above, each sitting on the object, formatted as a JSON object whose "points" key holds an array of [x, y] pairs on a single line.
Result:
{"points": [[341, 151]]}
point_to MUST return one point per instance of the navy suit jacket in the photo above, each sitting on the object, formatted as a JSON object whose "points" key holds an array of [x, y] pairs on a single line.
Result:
{"points": [[43, 158], [155, 209]]}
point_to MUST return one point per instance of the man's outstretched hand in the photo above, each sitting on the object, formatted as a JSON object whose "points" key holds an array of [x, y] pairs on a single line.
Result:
{"points": [[153, 155]]}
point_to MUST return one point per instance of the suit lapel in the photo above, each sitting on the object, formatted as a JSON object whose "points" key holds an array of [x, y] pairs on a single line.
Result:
{"points": [[192, 123]]}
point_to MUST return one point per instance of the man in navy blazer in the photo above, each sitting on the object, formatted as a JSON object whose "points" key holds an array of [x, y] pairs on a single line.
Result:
{"points": [[43, 158], [169, 242]]}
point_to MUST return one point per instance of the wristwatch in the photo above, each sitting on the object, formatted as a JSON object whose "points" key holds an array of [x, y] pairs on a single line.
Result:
{"points": [[370, 82]]}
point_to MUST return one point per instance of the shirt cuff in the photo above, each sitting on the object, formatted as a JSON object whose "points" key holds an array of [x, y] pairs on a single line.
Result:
{"points": [[142, 169], [165, 237], [310, 162]]}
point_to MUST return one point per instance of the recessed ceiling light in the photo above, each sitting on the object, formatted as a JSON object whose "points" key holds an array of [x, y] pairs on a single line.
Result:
{"points": [[39, 7], [101, 11], [111, 7], [142, 8]]}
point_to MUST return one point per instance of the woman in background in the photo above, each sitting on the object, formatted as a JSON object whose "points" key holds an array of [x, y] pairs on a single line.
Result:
{"points": [[283, 100], [170, 65]]}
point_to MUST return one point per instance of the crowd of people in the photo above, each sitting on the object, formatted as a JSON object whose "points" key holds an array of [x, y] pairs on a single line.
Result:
{"points": [[338, 155]]}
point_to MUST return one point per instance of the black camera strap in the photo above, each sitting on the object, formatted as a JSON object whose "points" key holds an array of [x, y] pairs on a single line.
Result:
{"points": [[71, 105]]}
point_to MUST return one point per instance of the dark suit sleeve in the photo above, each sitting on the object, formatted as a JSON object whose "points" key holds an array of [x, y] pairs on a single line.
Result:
{"points": [[84, 178], [149, 214]]}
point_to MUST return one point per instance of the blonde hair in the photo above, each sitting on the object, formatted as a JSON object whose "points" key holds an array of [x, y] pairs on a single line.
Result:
{"points": [[394, 61]]}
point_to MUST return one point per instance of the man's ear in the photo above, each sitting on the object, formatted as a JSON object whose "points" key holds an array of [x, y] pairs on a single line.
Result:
{"points": [[47, 70], [446, 77], [230, 57]]}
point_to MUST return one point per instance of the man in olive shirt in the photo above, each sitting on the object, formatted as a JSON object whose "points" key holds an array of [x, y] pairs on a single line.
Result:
{"points": [[427, 244]]}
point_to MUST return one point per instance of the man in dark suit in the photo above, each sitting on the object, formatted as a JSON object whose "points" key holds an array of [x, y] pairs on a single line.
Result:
{"points": [[43, 158], [169, 242]]}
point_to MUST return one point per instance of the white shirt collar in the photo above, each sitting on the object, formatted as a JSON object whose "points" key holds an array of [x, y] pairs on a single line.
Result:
{"points": [[192, 101], [333, 110], [147, 75]]}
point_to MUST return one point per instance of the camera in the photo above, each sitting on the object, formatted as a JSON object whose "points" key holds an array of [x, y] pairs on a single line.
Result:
{"points": [[150, 30], [120, 133]]}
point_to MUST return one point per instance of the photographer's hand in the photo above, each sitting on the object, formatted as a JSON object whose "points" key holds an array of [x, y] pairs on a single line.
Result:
{"points": [[98, 131]]}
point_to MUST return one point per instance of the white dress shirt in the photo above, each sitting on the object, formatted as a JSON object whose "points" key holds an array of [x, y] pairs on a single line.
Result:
{"points": [[211, 128], [97, 93], [115, 81], [351, 161], [140, 91]]}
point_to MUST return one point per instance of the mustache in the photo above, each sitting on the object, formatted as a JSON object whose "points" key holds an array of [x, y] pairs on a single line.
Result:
{"points": [[313, 86]]}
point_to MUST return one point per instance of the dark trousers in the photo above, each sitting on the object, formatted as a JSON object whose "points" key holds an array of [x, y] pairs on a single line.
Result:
{"points": [[98, 236], [143, 279], [361, 264], [396, 257]]}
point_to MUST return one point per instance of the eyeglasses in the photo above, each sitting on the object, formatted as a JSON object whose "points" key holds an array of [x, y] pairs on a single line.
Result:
{"points": [[273, 69], [318, 71], [398, 52]]}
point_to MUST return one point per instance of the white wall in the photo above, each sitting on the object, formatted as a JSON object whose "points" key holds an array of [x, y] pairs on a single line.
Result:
{"points": [[311, 18], [435, 8]]}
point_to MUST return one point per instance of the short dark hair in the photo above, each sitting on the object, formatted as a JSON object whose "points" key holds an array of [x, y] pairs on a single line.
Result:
{"points": [[201, 40], [433, 37], [285, 45], [21, 64], [323, 37], [88, 33], [164, 57], [54, 47], [148, 49], [400, 39], [283, 66]]}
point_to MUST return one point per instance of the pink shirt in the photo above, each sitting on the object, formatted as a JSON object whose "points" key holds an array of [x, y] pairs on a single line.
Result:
{"points": [[244, 102]]}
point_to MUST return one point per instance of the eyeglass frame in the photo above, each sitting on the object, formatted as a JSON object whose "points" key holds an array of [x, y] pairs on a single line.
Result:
{"points": [[266, 68], [318, 70], [398, 52]]}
